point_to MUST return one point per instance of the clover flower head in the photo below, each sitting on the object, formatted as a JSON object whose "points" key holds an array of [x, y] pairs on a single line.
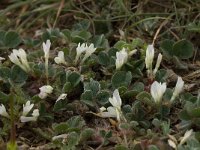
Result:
{"points": [[60, 59], [157, 91], [159, 59], [113, 111], [116, 100], [45, 91], [19, 57], [121, 58], [149, 57], [88, 52], [27, 108], [46, 48], [178, 88]]}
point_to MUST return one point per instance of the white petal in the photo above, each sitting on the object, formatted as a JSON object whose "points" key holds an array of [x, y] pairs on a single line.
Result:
{"points": [[118, 99], [62, 96], [35, 113], [111, 112], [179, 86], [3, 111], [60, 59], [102, 109], [157, 91], [132, 52], [19, 58], [149, 56], [42, 95], [121, 58], [14, 59], [46, 48], [27, 119], [81, 48], [27, 108], [159, 59], [89, 50], [172, 144], [186, 136], [44, 91]]}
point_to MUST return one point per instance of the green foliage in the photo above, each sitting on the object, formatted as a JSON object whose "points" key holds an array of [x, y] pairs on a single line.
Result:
{"points": [[121, 78], [182, 49], [73, 129], [10, 39], [104, 59], [145, 97], [93, 94]]}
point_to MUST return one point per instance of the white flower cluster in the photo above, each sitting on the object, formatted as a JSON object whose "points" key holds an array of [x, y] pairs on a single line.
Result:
{"points": [[149, 61], [19, 58], [60, 59], [158, 90], [45, 91], [122, 57], [113, 111], [89, 50], [26, 109]]}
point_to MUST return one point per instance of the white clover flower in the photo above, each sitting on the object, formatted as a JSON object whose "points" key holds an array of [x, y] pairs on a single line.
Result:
{"points": [[159, 59], [1, 59], [113, 111], [79, 50], [149, 61], [157, 91], [35, 113], [23, 58], [44, 91], [19, 58], [3, 111], [110, 113], [178, 88], [172, 143], [60, 59], [34, 117], [27, 108], [186, 136], [61, 97], [121, 58], [116, 100], [46, 48], [14, 58], [149, 57], [88, 52]]}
